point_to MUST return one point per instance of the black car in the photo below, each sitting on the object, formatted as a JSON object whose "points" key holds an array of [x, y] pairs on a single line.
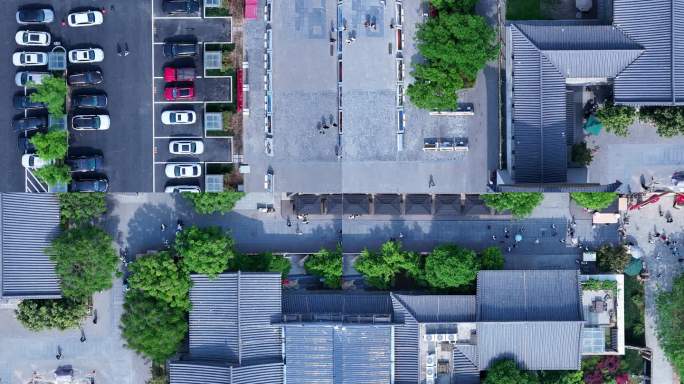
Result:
{"points": [[25, 145], [180, 49], [24, 102], [85, 78], [27, 124], [35, 16], [89, 101], [85, 163], [89, 185], [181, 7]]}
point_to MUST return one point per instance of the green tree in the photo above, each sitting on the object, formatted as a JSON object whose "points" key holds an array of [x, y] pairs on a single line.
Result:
{"points": [[52, 90], [160, 278], [51, 145], [581, 154], [594, 201], [492, 258], [612, 259], [454, 47], [520, 204], [506, 372], [209, 202], [381, 267], [151, 327], [459, 6], [450, 266], [78, 208], [670, 308], [262, 262], [53, 174], [326, 264], [207, 251], [669, 121], [38, 315], [561, 377], [84, 260], [616, 118]]}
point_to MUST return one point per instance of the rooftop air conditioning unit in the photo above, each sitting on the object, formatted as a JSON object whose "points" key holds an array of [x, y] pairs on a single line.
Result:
{"points": [[430, 373], [430, 337], [430, 360], [452, 337], [440, 338]]}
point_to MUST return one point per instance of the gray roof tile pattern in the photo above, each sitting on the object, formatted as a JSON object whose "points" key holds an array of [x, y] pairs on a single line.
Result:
{"points": [[418, 204], [406, 341], [439, 308], [307, 204], [29, 224], [466, 370], [548, 295], [386, 204], [196, 372], [336, 303]]}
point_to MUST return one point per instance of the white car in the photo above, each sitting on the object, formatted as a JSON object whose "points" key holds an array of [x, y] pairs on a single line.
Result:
{"points": [[178, 117], [31, 161], [33, 38], [23, 78], [90, 122], [186, 147], [28, 59], [182, 189], [87, 55], [178, 171], [85, 18]]}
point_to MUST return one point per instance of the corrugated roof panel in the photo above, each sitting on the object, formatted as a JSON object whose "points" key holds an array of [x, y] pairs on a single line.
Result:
{"points": [[258, 374], [406, 345], [554, 160], [557, 36], [309, 354], [186, 372], [260, 306], [440, 308], [678, 47], [591, 63], [341, 303]]}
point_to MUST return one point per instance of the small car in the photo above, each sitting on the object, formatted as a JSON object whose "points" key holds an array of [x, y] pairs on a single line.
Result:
{"points": [[180, 7], [24, 78], [32, 161], [98, 100], [27, 59], [24, 102], [90, 122], [179, 92], [172, 74], [182, 189], [33, 38], [86, 55], [180, 49], [85, 163], [85, 78], [35, 16], [178, 117], [178, 171], [85, 18], [89, 185], [27, 124], [186, 147]]}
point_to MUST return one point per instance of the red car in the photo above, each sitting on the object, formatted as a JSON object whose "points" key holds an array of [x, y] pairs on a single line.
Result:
{"points": [[179, 92], [178, 74]]}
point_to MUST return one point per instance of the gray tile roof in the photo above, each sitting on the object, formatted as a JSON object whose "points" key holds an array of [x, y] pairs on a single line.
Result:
{"points": [[549, 295], [29, 224], [439, 308], [198, 372], [466, 369], [406, 342], [307, 204], [309, 303], [386, 204], [558, 188]]}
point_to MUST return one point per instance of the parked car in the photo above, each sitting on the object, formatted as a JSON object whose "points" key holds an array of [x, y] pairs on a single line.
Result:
{"points": [[178, 117], [85, 78], [85, 18], [27, 59], [86, 55], [23, 78], [33, 38], [27, 124], [180, 49], [32, 161], [24, 102], [180, 7], [90, 122], [25, 145], [178, 171], [179, 92], [35, 16], [89, 185], [186, 147], [172, 74], [85, 163], [182, 189], [98, 100]]}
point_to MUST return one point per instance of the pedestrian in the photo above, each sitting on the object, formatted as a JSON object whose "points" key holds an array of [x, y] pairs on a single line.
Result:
{"points": [[83, 338], [562, 241], [332, 40], [401, 235], [506, 235], [509, 249], [63, 23], [493, 237], [163, 227], [536, 241], [95, 316]]}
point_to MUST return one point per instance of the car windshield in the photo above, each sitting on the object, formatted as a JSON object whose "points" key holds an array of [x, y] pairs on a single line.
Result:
{"points": [[33, 37], [91, 55], [91, 17], [184, 92], [30, 14], [178, 171]]}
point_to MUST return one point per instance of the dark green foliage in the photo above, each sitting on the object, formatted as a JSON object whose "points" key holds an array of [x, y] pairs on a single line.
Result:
{"points": [[52, 90], [38, 315], [262, 262], [520, 204], [612, 259], [380, 268], [599, 285], [210, 202], [492, 258], [159, 277], [670, 306], [506, 372], [51, 145], [204, 250], [54, 174], [85, 261], [616, 118], [561, 377], [594, 201], [669, 121], [459, 6], [634, 312], [450, 266], [326, 264], [151, 327], [76, 208], [581, 154]]}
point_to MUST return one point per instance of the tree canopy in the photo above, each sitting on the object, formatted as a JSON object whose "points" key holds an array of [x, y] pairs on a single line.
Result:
{"points": [[616, 118], [381, 267], [151, 327], [461, 6], [51, 145], [160, 278], [207, 251], [612, 259], [38, 315], [492, 258], [669, 121], [520, 204], [670, 307], [262, 262], [52, 90], [594, 201], [78, 208], [53, 174], [450, 266], [506, 372], [210, 202], [326, 264], [84, 260], [581, 154]]}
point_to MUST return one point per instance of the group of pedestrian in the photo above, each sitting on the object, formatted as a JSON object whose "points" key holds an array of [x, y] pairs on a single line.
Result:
{"points": [[122, 51], [324, 126]]}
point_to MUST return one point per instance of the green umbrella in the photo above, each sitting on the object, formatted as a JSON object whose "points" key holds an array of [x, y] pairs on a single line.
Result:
{"points": [[593, 126], [633, 268]]}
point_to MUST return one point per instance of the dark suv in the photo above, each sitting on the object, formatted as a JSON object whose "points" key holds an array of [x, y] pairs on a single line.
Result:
{"points": [[89, 185], [89, 101], [85, 78], [24, 102], [180, 49], [181, 7], [28, 124], [85, 163]]}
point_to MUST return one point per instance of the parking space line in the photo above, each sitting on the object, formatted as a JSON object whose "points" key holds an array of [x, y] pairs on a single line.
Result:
{"points": [[158, 77], [179, 102], [176, 17], [154, 148], [177, 137]]}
